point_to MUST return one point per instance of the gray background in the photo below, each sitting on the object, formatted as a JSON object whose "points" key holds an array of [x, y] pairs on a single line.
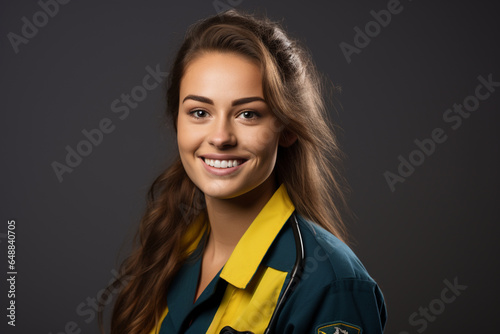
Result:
{"points": [[437, 225]]}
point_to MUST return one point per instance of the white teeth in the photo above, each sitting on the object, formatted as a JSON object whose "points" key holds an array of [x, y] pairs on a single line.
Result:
{"points": [[221, 163]]}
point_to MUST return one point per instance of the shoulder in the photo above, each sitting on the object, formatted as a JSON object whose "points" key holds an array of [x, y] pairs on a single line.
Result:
{"points": [[334, 291], [327, 257]]}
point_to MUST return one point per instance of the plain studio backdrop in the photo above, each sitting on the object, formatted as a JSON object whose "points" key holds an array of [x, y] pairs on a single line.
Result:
{"points": [[83, 137]]}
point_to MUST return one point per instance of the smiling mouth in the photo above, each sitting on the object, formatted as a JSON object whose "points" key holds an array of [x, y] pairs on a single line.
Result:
{"points": [[223, 163]]}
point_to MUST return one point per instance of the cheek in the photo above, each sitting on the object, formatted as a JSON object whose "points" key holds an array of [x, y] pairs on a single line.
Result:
{"points": [[182, 140], [186, 136], [265, 141], [187, 145]]}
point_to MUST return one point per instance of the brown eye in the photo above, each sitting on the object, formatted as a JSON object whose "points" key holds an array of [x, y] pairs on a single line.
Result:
{"points": [[247, 114], [198, 113]]}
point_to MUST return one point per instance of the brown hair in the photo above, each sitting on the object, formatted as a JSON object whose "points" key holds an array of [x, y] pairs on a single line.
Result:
{"points": [[308, 168]]}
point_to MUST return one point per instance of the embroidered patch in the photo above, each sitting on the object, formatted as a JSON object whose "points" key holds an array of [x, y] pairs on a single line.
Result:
{"points": [[338, 327]]}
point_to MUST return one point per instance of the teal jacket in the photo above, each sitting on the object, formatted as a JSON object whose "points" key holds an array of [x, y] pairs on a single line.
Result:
{"points": [[335, 294]]}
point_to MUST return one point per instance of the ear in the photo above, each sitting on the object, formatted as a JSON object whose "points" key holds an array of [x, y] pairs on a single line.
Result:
{"points": [[287, 138]]}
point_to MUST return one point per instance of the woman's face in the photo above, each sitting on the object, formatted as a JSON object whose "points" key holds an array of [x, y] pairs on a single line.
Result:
{"points": [[227, 136]]}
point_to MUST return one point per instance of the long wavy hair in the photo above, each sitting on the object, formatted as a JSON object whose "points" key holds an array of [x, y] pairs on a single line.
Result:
{"points": [[308, 168]]}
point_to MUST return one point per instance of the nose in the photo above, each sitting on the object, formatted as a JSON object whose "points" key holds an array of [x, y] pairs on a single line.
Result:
{"points": [[222, 134]]}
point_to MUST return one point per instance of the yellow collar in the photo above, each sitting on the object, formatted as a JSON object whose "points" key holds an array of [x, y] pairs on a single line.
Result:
{"points": [[253, 245]]}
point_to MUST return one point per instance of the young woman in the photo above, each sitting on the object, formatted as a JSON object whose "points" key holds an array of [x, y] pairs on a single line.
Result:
{"points": [[243, 233]]}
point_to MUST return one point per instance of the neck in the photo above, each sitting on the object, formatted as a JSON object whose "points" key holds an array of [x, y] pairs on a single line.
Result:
{"points": [[230, 218]]}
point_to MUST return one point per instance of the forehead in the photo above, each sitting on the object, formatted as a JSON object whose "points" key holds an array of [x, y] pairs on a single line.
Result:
{"points": [[222, 76]]}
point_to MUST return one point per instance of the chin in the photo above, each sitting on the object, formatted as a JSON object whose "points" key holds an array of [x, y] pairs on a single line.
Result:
{"points": [[220, 190], [227, 189]]}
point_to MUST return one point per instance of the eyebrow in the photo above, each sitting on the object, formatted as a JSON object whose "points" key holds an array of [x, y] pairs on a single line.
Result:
{"points": [[233, 104]]}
